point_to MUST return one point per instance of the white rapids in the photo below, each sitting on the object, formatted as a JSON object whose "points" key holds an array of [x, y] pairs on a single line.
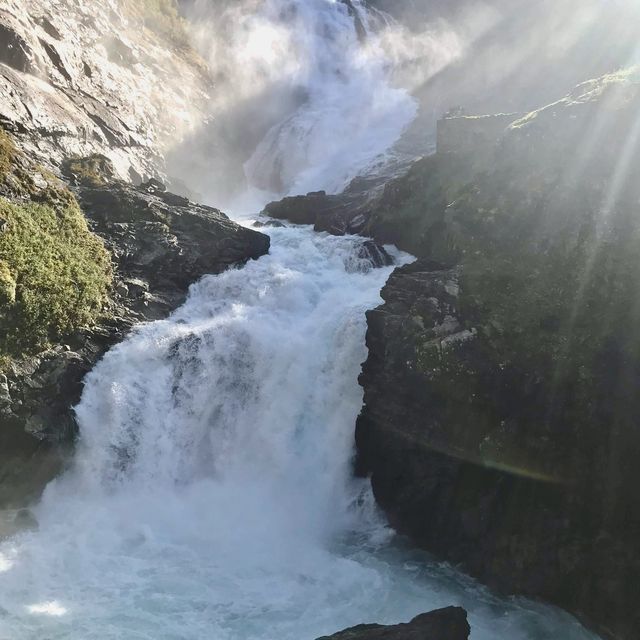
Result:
{"points": [[211, 496]]}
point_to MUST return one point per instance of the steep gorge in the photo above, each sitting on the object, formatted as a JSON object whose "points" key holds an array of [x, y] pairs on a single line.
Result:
{"points": [[211, 490]]}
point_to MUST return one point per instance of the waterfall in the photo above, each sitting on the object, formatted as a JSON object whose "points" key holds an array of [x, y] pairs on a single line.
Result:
{"points": [[211, 495], [350, 114]]}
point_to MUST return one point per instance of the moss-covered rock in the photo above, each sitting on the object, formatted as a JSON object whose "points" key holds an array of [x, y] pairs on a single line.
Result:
{"points": [[59, 274], [93, 171], [159, 244], [501, 413], [54, 273]]}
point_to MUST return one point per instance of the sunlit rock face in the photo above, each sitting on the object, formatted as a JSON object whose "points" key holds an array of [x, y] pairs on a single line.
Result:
{"points": [[514, 54], [501, 389], [112, 77]]}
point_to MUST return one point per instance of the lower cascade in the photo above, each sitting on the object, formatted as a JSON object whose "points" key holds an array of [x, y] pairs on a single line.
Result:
{"points": [[212, 494]]}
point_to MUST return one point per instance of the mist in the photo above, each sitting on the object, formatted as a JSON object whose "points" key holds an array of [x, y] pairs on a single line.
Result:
{"points": [[414, 386], [276, 67], [275, 64]]}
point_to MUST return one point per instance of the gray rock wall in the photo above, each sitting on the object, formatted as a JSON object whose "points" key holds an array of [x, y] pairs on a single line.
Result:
{"points": [[78, 78]]}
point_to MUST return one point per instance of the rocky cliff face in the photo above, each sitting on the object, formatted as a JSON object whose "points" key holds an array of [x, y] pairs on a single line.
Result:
{"points": [[501, 389], [443, 624], [115, 77]]}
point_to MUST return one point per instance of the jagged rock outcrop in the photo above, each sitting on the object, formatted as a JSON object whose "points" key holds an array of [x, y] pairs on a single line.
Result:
{"points": [[160, 244], [165, 240], [501, 387], [443, 624], [337, 214], [115, 77]]}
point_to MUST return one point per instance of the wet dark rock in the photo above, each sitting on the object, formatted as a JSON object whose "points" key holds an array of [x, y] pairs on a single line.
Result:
{"points": [[25, 519], [339, 215], [154, 186], [376, 254], [360, 28], [443, 624], [501, 387], [164, 239], [275, 224], [13, 522]]}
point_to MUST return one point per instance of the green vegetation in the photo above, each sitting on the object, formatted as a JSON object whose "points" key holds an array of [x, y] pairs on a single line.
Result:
{"points": [[54, 273], [15, 180], [92, 171], [553, 297], [7, 153]]}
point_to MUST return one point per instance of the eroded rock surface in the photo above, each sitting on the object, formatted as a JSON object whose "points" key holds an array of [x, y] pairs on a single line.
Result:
{"points": [[80, 78], [338, 214]]}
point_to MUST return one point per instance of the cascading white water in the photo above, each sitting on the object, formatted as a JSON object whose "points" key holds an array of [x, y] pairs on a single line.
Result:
{"points": [[350, 114], [211, 495], [304, 100]]}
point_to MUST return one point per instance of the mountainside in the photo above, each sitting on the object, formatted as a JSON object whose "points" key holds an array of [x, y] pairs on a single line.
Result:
{"points": [[499, 425], [501, 387], [116, 77]]}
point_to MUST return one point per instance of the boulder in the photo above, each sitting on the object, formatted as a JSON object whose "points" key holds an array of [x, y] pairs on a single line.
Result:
{"points": [[164, 239], [374, 254], [443, 624], [342, 214]]}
